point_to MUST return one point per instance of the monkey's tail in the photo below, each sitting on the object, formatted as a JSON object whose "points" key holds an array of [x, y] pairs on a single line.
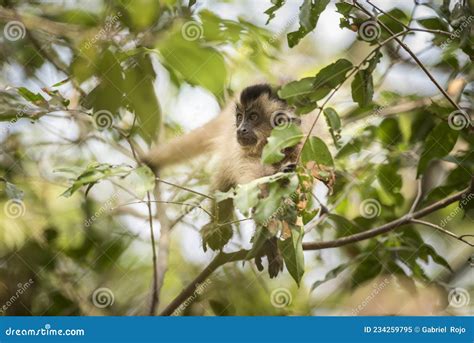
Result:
{"points": [[187, 146]]}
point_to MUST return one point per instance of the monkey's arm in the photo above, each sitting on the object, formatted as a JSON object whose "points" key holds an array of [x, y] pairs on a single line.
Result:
{"points": [[190, 145]]}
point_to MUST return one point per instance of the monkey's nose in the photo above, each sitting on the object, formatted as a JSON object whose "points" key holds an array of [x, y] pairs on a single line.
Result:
{"points": [[243, 131]]}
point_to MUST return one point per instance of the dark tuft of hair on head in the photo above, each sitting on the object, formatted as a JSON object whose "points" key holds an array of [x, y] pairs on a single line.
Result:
{"points": [[252, 93]]}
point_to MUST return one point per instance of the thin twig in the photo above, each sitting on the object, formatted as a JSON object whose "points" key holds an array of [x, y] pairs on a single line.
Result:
{"points": [[419, 193], [353, 71], [154, 291], [417, 60], [172, 203], [223, 258], [184, 188], [447, 232]]}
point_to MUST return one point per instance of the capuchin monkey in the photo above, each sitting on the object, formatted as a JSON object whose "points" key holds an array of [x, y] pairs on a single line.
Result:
{"points": [[237, 136]]}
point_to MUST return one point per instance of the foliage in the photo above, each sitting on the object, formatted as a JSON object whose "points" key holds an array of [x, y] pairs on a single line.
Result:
{"points": [[108, 61]]}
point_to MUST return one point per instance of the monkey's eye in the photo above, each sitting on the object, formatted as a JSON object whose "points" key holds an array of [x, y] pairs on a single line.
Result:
{"points": [[253, 116]]}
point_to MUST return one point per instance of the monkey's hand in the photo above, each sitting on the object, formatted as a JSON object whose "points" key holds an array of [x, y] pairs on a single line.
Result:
{"points": [[216, 236], [288, 167], [275, 261]]}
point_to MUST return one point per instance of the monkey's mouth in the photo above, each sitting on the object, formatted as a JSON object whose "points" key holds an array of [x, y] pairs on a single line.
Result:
{"points": [[246, 140]]}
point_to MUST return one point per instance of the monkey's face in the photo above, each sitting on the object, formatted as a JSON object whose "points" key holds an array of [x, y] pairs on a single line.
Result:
{"points": [[258, 112]]}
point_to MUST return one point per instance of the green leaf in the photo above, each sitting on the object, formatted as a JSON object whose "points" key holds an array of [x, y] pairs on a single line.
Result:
{"points": [[280, 139], [292, 251], [305, 92], [94, 173], [344, 227], [274, 204], [316, 150], [389, 179], [13, 192], [139, 15], [369, 268], [344, 8], [248, 196], [310, 11], [433, 23], [297, 88], [389, 132], [277, 4], [221, 309], [334, 123], [332, 274], [428, 250], [141, 97], [142, 180], [34, 98], [438, 144], [363, 85], [331, 76], [194, 63]]}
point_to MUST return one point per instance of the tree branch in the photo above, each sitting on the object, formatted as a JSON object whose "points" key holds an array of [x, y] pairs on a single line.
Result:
{"points": [[417, 60], [154, 288], [447, 232], [223, 258]]}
